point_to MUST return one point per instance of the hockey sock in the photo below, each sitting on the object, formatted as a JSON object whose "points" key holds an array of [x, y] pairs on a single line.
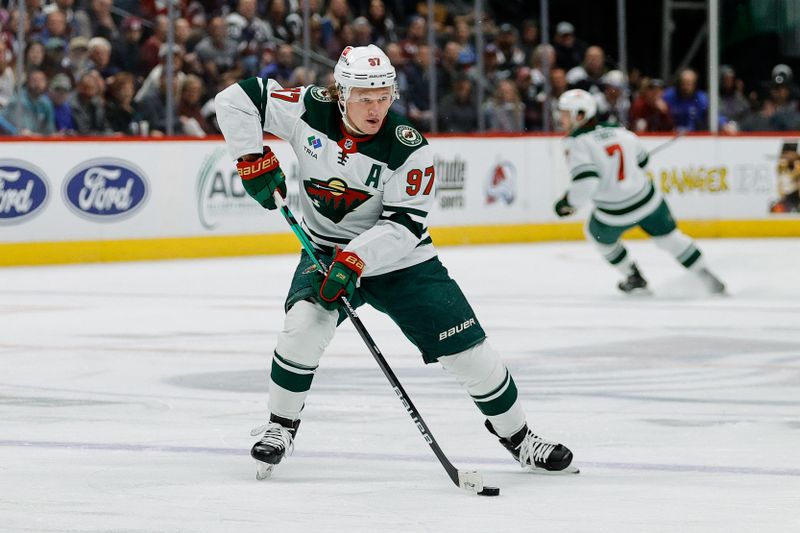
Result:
{"points": [[617, 256], [307, 331], [487, 380], [682, 248]]}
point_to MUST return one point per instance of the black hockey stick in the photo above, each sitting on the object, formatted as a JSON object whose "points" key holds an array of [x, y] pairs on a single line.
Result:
{"points": [[470, 480], [667, 143]]}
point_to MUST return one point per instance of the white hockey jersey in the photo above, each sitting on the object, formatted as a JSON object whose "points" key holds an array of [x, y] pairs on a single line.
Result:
{"points": [[369, 195], [606, 164]]}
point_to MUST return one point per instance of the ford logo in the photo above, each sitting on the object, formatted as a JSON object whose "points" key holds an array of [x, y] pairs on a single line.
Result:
{"points": [[106, 189], [23, 191]]}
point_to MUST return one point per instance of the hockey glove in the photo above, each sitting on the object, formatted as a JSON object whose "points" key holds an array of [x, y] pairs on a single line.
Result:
{"points": [[562, 207], [341, 279], [263, 177]]}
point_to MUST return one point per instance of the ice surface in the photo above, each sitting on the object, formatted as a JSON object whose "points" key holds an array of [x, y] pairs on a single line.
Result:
{"points": [[127, 393]]}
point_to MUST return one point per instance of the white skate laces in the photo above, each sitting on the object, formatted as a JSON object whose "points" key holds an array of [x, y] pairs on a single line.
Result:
{"points": [[534, 450], [275, 435]]}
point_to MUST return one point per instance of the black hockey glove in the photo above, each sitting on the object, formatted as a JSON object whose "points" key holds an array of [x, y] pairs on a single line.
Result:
{"points": [[562, 207]]}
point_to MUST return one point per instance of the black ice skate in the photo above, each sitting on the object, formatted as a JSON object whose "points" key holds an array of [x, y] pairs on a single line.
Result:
{"points": [[635, 282], [536, 453], [715, 286], [277, 440]]}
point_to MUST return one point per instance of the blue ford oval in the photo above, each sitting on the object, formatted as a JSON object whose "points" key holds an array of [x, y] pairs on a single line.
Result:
{"points": [[106, 189], [23, 191]]}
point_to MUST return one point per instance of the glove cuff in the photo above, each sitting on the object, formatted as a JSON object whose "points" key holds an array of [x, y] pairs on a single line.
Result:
{"points": [[350, 261], [251, 169]]}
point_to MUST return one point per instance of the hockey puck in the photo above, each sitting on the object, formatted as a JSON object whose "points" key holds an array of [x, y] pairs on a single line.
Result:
{"points": [[489, 491]]}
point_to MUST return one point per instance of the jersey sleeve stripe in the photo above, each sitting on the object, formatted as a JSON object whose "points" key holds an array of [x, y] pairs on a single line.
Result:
{"points": [[257, 94], [586, 174], [404, 220], [408, 210]]}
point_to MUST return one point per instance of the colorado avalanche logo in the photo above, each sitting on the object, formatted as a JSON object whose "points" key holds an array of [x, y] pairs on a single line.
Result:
{"points": [[332, 199], [502, 183]]}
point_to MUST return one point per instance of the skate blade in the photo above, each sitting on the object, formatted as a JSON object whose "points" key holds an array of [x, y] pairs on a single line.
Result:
{"points": [[571, 469], [638, 293], [263, 470]]}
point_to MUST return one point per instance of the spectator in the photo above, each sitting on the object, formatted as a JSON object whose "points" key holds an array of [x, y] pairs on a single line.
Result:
{"points": [[88, 111], [34, 56], [687, 104], [732, 103], [7, 79], [491, 74], [189, 109], [60, 87], [448, 67], [102, 23], [588, 76], [558, 86], [569, 50], [649, 111], [148, 54], [182, 30], [510, 55], [419, 103], [457, 111], [337, 16], [281, 69], [125, 51], [505, 111], [217, 52], [249, 32], [55, 26], [541, 54], [613, 104], [760, 120], [120, 113], [463, 36], [529, 96], [54, 50], [283, 24], [100, 57], [77, 59], [77, 21], [302, 77], [395, 55], [529, 38], [416, 36], [151, 83], [34, 115], [786, 117], [153, 107], [383, 31], [363, 32]]}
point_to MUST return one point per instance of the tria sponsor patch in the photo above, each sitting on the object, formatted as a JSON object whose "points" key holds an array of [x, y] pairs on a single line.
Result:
{"points": [[457, 329]]}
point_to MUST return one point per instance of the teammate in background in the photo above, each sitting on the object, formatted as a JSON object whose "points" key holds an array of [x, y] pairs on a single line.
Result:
{"points": [[366, 187], [606, 163]]}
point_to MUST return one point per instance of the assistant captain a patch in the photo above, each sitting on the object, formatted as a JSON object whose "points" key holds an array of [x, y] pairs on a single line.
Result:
{"points": [[408, 135]]}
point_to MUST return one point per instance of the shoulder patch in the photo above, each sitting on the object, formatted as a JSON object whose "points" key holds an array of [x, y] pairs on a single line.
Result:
{"points": [[320, 94], [408, 135]]}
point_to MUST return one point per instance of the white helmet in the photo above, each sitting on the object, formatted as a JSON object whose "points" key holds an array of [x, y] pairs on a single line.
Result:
{"points": [[367, 67], [577, 101]]}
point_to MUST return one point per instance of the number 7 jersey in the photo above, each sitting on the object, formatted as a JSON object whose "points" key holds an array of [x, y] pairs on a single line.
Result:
{"points": [[370, 195], [606, 164]]}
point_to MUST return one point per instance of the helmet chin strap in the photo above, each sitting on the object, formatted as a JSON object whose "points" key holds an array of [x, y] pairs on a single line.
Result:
{"points": [[347, 124]]}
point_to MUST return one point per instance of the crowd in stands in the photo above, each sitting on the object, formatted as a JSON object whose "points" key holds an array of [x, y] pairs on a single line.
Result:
{"points": [[93, 67]]}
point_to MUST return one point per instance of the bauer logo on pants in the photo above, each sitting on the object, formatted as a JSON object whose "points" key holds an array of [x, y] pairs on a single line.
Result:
{"points": [[23, 191], [106, 189], [456, 329]]}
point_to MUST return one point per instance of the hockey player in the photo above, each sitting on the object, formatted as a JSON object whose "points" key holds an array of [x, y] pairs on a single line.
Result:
{"points": [[606, 163], [366, 187]]}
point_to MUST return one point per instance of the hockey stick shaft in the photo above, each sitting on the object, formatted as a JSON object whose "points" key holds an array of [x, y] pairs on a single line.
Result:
{"points": [[458, 478], [667, 143]]}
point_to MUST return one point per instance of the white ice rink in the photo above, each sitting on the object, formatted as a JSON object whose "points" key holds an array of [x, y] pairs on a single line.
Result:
{"points": [[128, 391]]}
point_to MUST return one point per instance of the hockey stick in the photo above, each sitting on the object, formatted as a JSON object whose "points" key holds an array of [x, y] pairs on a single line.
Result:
{"points": [[470, 480], [667, 143]]}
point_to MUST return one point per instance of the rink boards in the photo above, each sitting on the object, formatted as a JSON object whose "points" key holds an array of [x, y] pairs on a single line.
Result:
{"points": [[88, 200]]}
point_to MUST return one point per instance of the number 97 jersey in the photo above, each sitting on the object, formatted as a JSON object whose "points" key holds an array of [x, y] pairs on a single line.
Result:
{"points": [[370, 194], [613, 160]]}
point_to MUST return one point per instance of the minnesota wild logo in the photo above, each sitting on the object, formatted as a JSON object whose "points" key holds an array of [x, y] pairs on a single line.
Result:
{"points": [[333, 199]]}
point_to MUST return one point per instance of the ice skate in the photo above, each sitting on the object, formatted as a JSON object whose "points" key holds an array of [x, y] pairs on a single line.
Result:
{"points": [[277, 440], [535, 453], [714, 285], [634, 283]]}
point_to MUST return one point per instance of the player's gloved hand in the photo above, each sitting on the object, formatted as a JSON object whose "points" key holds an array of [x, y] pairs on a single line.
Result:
{"points": [[341, 279], [262, 177], [563, 208]]}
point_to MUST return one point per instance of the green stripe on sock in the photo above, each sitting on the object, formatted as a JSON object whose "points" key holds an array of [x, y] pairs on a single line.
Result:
{"points": [[618, 256], [586, 174], [293, 364], [289, 380], [502, 403], [494, 391], [691, 259]]}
